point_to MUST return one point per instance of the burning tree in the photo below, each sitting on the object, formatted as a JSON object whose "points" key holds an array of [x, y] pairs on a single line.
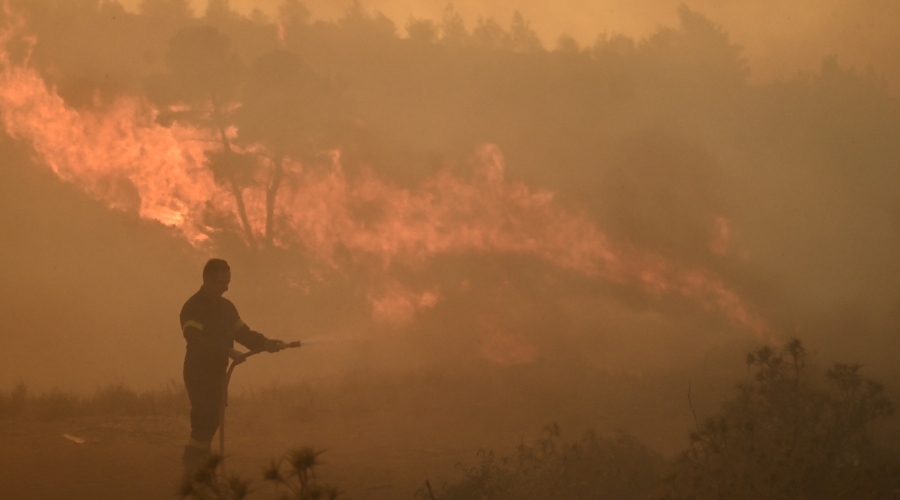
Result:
{"points": [[200, 87], [221, 145], [289, 110], [262, 115]]}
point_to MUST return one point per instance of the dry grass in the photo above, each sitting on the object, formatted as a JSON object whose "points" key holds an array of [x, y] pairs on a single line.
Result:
{"points": [[12, 403], [619, 467], [113, 400]]}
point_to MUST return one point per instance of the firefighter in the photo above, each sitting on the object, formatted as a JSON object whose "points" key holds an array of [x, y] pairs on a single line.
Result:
{"points": [[211, 324]]}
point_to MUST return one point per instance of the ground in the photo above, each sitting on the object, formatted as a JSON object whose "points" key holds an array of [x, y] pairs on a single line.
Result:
{"points": [[377, 442], [139, 458]]}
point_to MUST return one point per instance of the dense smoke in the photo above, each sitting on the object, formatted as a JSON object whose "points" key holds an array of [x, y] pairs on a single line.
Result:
{"points": [[441, 195]]}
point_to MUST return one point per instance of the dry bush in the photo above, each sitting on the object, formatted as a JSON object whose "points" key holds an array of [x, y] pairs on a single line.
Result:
{"points": [[291, 477], [790, 434], [12, 403], [53, 405], [592, 467], [111, 401], [121, 401]]}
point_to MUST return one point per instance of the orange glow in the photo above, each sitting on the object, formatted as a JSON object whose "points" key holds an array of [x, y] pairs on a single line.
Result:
{"points": [[118, 155], [121, 156], [720, 242], [397, 304], [505, 349], [282, 33], [446, 214]]}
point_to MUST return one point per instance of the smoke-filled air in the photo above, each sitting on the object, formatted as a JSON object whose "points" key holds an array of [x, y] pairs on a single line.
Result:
{"points": [[529, 249]]}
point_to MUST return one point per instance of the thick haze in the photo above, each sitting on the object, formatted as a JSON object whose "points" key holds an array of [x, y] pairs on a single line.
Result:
{"points": [[469, 200]]}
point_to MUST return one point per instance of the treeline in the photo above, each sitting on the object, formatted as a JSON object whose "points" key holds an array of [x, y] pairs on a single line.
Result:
{"points": [[654, 136]]}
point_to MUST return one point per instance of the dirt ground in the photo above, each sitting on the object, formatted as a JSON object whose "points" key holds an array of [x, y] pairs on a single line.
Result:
{"points": [[139, 458], [382, 437], [370, 451]]}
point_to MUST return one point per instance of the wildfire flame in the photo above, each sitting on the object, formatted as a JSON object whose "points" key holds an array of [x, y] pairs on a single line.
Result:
{"points": [[120, 155], [398, 304]]}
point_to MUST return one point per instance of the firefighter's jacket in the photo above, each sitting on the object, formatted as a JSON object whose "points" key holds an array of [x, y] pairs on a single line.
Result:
{"points": [[211, 325]]}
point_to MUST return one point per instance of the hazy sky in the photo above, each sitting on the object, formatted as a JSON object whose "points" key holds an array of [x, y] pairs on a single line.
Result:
{"points": [[780, 37]]}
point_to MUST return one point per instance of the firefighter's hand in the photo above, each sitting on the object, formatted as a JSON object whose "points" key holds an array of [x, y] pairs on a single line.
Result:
{"points": [[237, 356], [273, 345]]}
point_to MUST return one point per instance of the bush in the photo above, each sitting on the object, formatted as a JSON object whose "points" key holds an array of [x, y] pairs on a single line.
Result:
{"points": [[53, 405], [789, 435], [121, 401], [12, 404], [111, 401], [206, 484], [620, 468], [296, 481], [299, 478]]}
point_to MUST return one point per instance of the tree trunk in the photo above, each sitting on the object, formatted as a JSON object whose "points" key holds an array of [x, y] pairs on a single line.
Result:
{"points": [[271, 196], [236, 190]]}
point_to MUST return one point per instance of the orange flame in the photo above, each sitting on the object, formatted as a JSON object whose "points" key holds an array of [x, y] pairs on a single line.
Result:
{"points": [[120, 155], [397, 304], [445, 214]]}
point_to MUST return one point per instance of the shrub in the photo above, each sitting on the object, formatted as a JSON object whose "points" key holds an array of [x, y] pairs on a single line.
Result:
{"points": [[12, 404], [620, 468], [293, 477], [206, 484], [789, 435], [121, 401], [111, 401], [53, 405], [299, 477]]}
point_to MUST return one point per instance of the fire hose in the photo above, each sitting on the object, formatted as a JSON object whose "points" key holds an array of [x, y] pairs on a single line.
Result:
{"points": [[234, 363]]}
